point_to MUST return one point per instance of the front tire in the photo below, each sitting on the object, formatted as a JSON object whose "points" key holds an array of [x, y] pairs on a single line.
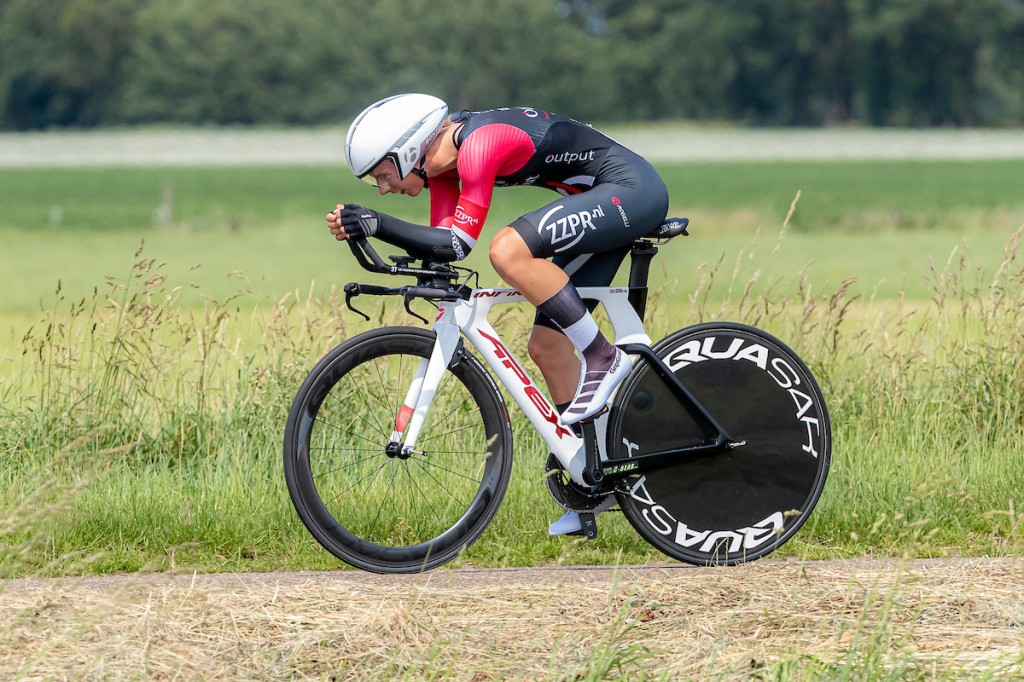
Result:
{"points": [[386, 513]]}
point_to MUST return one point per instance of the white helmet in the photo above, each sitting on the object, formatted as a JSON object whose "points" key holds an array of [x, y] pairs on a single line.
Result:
{"points": [[398, 128]]}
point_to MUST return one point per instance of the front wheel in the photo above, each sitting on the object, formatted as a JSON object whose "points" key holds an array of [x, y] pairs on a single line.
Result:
{"points": [[738, 504], [371, 505]]}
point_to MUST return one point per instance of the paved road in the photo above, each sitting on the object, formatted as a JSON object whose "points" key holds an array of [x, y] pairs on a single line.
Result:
{"points": [[535, 575]]}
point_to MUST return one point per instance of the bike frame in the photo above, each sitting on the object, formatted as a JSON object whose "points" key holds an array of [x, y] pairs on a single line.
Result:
{"points": [[469, 319], [466, 315]]}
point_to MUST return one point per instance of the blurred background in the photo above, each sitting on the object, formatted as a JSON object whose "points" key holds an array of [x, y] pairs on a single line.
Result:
{"points": [[730, 99], [86, 63], [853, 171], [807, 62]]}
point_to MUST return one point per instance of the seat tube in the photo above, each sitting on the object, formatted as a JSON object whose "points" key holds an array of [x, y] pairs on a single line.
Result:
{"points": [[561, 441], [639, 271]]}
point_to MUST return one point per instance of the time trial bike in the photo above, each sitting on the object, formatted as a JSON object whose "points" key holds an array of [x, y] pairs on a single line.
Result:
{"points": [[398, 445]]}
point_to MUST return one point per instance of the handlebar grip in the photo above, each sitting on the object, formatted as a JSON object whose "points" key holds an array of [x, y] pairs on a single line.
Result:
{"points": [[357, 289], [376, 290], [366, 255]]}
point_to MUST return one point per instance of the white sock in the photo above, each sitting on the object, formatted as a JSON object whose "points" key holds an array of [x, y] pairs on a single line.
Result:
{"points": [[583, 332]]}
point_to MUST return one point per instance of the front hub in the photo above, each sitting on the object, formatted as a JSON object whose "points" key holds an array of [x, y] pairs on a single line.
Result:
{"points": [[394, 450]]}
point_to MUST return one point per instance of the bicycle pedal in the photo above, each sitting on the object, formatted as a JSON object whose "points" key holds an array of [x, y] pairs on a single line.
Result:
{"points": [[589, 523], [592, 418]]}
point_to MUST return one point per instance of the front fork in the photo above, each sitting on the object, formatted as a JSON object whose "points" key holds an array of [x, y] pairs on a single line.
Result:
{"points": [[413, 413]]}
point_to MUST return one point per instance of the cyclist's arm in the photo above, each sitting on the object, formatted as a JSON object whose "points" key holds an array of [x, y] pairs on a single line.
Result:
{"points": [[351, 221], [486, 153], [421, 241]]}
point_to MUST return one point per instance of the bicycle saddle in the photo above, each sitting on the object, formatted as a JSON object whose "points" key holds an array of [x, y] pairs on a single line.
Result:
{"points": [[672, 227]]}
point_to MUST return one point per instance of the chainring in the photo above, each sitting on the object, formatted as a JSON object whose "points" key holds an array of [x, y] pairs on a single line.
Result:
{"points": [[566, 492]]}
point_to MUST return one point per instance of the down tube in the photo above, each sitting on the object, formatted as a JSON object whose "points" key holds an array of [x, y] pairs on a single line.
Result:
{"points": [[562, 442]]}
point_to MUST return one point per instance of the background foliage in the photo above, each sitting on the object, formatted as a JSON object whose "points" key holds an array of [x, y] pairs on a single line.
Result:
{"points": [[804, 62]]}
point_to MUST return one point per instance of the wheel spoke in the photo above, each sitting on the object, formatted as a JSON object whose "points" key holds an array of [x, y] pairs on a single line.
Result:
{"points": [[427, 433], [380, 507], [448, 433], [426, 460], [373, 474], [345, 431], [359, 502], [474, 453], [346, 466], [390, 406], [425, 498], [427, 471], [337, 448], [364, 391]]}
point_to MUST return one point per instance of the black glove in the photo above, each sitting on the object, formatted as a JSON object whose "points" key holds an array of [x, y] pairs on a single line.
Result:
{"points": [[359, 222], [417, 240]]}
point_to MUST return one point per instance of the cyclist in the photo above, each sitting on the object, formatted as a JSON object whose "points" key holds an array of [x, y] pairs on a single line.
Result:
{"points": [[610, 197]]}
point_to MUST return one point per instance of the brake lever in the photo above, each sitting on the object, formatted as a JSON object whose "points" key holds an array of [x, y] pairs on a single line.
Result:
{"points": [[351, 291], [408, 308]]}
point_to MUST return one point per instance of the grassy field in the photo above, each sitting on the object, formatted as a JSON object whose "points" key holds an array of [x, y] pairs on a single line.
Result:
{"points": [[261, 230], [143, 398]]}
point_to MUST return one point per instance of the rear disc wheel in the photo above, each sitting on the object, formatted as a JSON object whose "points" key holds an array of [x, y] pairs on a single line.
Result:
{"points": [[740, 504]]}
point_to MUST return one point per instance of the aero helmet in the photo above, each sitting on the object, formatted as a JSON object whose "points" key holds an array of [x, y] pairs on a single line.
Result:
{"points": [[398, 128]]}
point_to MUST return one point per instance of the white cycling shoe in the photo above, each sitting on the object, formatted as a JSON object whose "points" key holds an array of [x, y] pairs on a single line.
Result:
{"points": [[570, 522], [595, 388]]}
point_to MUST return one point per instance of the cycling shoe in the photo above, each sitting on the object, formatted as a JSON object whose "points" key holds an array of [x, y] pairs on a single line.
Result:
{"points": [[595, 388], [570, 523]]}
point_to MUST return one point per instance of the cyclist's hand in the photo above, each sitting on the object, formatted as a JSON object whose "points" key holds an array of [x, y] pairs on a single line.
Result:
{"points": [[352, 221]]}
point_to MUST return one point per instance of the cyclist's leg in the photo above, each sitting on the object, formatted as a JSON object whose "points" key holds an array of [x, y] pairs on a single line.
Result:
{"points": [[549, 348], [531, 274], [554, 355], [602, 365], [628, 200]]}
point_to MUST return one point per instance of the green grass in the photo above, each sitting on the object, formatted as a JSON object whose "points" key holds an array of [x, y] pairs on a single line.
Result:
{"points": [[855, 196], [141, 416], [121, 198], [144, 435], [267, 262], [261, 230], [105, 199], [865, 195]]}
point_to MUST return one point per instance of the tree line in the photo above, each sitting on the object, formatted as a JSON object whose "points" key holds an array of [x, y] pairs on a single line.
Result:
{"points": [[84, 63]]}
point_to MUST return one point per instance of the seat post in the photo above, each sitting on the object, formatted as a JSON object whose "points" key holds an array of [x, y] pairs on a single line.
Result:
{"points": [[640, 256]]}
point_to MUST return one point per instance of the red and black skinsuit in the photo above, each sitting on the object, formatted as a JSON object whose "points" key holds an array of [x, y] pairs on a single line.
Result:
{"points": [[610, 195]]}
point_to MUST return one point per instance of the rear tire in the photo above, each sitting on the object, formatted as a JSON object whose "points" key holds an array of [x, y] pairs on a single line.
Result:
{"points": [[740, 504], [387, 513]]}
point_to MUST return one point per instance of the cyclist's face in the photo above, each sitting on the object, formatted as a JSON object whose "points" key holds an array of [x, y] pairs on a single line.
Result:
{"points": [[385, 177]]}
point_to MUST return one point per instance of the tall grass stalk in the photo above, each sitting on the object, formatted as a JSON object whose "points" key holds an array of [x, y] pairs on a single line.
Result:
{"points": [[156, 427]]}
